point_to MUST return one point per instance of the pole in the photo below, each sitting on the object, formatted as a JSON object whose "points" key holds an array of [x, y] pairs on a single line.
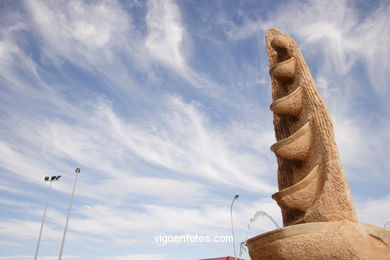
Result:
{"points": [[67, 218], [43, 221], [231, 220]]}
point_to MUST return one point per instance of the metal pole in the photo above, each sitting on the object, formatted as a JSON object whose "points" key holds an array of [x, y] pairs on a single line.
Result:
{"points": [[43, 221], [67, 218], [231, 220]]}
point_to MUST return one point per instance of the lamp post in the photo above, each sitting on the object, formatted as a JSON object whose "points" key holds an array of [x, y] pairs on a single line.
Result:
{"points": [[231, 220], [50, 180], [77, 171]]}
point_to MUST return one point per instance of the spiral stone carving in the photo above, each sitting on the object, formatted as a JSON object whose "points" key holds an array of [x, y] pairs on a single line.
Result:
{"points": [[318, 214], [305, 141]]}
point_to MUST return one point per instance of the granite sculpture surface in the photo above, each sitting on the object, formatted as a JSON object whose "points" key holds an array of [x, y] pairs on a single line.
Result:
{"points": [[318, 214]]}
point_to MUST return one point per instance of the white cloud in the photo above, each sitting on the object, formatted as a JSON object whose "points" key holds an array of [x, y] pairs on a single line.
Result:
{"points": [[15, 229], [150, 187], [373, 37], [18, 163], [180, 139], [374, 211], [7, 187], [98, 37], [350, 140], [79, 30], [128, 242], [169, 43], [166, 33]]}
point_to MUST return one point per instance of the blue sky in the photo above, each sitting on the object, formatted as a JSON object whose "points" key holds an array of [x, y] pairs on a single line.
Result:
{"points": [[164, 105]]}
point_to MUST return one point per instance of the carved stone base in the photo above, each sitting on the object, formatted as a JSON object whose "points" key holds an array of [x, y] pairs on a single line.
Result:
{"points": [[322, 240]]}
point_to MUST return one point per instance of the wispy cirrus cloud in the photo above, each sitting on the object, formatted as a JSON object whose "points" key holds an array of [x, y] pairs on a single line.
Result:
{"points": [[183, 141], [165, 39], [77, 31]]}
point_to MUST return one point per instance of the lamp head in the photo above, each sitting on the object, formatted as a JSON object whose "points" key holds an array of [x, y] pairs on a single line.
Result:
{"points": [[236, 196], [77, 170]]}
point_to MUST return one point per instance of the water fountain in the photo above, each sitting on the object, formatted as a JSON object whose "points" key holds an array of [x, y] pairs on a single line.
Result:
{"points": [[258, 214]]}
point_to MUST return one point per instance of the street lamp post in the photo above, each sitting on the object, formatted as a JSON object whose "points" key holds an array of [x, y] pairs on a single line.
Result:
{"points": [[50, 180], [231, 220], [77, 171]]}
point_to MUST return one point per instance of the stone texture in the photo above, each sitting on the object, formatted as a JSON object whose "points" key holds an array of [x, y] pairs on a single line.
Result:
{"points": [[322, 240], [314, 197], [290, 105], [305, 140]]}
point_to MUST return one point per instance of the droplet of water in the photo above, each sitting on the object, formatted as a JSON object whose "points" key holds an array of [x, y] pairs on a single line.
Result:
{"points": [[258, 214]]}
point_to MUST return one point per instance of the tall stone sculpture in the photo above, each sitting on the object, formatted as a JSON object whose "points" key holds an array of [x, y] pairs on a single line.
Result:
{"points": [[310, 176], [314, 197]]}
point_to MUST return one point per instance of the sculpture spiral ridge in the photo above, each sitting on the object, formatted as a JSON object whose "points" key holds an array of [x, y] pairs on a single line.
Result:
{"points": [[309, 168]]}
